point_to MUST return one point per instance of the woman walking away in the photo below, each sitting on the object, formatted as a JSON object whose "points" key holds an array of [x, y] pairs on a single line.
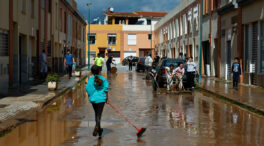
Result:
{"points": [[97, 89]]}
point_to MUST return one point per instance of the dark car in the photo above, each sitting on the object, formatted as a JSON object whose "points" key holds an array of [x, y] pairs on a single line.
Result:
{"points": [[134, 60], [141, 65], [161, 78]]}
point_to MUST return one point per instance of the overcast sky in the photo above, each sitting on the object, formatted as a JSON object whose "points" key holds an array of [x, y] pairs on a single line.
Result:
{"points": [[98, 6]]}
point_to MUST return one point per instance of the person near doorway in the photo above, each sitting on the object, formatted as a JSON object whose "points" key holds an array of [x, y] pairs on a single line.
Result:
{"points": [[68, 62], [148, 63], [108, 63], [179, 74], [236, 69], [130, 63], [156, 60], [180, 55], [99, 61], [43, 65], [191, 70], [153, 74], [170, 72], [97, 89]]}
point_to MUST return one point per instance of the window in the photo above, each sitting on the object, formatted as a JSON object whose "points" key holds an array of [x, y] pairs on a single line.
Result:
{"points": [[4, 43], [92, 38], [148, 22], [56, 16], [65, 22], [149, 36], [132, 39], [49, 6], [60, 20], [23, 6], [43, 4], [111, 39], [32, 10]]}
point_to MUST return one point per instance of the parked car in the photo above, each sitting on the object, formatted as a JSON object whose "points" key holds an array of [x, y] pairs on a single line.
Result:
{"points": [[161, 78], [134, 60], [141, 65]]}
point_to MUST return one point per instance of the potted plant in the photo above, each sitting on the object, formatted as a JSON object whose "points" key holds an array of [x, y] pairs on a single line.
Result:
{"points": [[78, 72], [52, 80]]}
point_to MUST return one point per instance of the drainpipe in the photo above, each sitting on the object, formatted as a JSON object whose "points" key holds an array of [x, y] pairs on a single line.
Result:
{"points": [[201, 41]]}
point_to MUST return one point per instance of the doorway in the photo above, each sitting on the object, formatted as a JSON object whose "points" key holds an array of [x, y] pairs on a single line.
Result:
{"points": [[206, 57], [228, 60]]}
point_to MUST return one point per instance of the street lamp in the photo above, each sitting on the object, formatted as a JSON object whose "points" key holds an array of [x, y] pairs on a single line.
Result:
{"points": [[201, 42], [89, 21]]}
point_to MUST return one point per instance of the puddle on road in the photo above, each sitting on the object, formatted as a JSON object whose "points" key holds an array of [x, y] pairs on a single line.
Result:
{"points": [[186, 119]]}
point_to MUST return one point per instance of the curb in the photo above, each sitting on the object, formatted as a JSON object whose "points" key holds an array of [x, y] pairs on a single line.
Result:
{"points": [[232, 101], [63, 91], [9, 128]]}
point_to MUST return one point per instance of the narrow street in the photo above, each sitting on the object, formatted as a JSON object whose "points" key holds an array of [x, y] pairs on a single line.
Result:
{"points": [[186, 119]]}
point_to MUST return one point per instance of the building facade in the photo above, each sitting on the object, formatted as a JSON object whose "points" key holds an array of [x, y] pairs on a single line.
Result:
{"points": [[231, 28], [178, 32], [29, 26], [251, 21], [124, 34], [105, 40]]}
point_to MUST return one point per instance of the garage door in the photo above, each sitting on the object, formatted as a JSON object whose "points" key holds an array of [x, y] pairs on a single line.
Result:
{"points": [[133, 53]]}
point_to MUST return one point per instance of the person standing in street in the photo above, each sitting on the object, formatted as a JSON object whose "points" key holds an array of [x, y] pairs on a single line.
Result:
{"points": [[97, 89], [130, 63], [191, 69], [236, 72], [108, 63], [153, 73], [148, 63], [99, 61], [156, 60], [43, 65], [68, 62]]}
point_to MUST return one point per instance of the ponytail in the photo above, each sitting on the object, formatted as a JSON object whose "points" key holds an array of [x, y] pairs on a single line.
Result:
{"points": [[98, 81]]}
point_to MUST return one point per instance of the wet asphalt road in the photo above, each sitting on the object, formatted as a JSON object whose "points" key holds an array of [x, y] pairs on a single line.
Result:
{"points": [[197, 119]]}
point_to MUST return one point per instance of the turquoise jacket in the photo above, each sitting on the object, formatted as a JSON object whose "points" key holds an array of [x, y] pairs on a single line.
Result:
{"points": [[97, 93]]}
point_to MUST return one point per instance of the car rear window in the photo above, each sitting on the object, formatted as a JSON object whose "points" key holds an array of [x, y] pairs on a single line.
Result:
{"points": [[174, 62], [142, 60]]}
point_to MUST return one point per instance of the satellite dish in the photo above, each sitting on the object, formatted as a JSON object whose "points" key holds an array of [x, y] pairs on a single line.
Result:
{"points": [[112, 9]]}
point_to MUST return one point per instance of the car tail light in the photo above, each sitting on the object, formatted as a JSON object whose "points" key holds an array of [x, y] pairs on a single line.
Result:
{"points": [[140, 63], [163, 71]]}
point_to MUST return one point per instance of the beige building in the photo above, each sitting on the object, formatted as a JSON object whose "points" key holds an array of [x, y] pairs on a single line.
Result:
{"points": [[29, 26]]}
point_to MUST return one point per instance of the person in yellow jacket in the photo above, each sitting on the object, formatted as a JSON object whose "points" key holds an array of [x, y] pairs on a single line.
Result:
{"points": [[99, 61]]}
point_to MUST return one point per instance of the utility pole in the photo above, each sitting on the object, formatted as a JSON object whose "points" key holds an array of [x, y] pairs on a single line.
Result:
{"points": [[201, 42], [151, 36], [89, 21]]}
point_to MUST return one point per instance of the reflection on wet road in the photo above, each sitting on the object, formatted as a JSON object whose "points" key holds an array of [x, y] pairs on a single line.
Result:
{"points": [[187, 119]]}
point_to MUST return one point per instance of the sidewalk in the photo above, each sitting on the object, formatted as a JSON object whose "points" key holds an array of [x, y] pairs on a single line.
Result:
{"points": [[252, 97], [11, 107]]}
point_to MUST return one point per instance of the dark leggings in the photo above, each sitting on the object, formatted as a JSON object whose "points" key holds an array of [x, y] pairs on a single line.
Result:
{"points": [[98, 110], [235, 79], [130, 66], [69, 69], [190, 79], [108, 66]]}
